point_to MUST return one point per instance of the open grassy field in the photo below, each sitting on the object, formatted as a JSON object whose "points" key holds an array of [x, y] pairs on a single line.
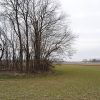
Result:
{"points": [[69, 82]]}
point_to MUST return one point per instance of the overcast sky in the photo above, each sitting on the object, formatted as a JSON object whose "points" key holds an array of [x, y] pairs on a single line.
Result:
{"points": [[85, 22]]}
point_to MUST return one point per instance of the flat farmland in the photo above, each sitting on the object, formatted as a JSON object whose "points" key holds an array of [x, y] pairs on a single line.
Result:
{"points": [[67, 82]]}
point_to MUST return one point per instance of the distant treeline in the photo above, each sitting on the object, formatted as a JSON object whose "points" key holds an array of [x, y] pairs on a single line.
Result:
{"points": [[91, 60]]}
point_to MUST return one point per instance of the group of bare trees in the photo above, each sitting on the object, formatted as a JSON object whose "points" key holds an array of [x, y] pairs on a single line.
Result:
{"points": [[32, 34]]}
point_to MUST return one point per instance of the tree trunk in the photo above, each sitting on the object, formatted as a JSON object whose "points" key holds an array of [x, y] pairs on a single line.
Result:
{"points": [[37, 45]]}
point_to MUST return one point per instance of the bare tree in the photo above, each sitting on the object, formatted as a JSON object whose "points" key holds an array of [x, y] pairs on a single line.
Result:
{"points": [[50, 32], [41, 31]]}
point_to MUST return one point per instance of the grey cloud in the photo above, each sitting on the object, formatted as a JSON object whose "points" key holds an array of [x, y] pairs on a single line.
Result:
{"points": [[85, 18]]}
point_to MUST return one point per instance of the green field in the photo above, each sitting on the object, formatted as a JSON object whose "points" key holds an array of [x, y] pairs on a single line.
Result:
{"points": [[69, 82]]}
